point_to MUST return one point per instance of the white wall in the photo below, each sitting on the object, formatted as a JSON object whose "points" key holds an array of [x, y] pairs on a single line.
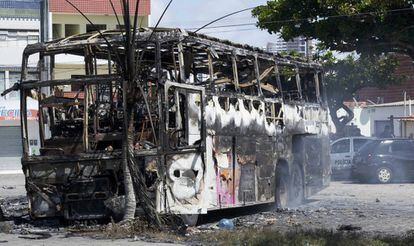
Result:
{"points": [[14, 38], [362, 120], [365, 118], [19, 23]]}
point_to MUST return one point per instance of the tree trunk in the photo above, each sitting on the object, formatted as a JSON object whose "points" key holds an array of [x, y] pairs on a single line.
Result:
{"points": [[130, 199], [1, 215], [340, 122]]}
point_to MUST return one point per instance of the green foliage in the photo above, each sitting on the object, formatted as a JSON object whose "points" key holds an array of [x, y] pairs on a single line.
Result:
{"points": [[364, 26], [344, 77], [293, 53], [370, 29]]}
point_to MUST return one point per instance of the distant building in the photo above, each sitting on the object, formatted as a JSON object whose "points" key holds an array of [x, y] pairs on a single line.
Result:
{"points": [[20, 23], [19, 26], [392, 93], [65, 21], [376, 108], [298, 44], [372, 119]]}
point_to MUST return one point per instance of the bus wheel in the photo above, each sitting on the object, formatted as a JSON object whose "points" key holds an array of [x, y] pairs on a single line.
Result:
{"points": [[282, 189], [190, 219], [1, 215], [296, 187]]}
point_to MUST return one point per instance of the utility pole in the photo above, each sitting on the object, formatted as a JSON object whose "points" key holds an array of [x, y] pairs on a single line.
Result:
{"points": [[44, 37], [44, 21]]}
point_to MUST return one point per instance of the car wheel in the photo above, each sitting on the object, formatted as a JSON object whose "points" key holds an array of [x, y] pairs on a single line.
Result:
{"points": [[296, 187], [282, 190], [190, 219], [384, 175]]}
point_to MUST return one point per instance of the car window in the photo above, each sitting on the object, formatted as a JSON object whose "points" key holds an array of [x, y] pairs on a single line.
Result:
{"points": [[358, 142], [402, 146], [342, 146], [369, 147], [384, 148]]}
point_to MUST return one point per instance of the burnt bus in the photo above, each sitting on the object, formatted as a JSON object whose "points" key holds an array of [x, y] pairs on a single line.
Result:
{"points": [[223, 125]]}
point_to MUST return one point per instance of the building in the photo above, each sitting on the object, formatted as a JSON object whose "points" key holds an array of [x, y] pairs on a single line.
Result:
{"points": [[393, 93], [67, 21], [20, 24], [372, 119], [393, 106], [299, 44]]}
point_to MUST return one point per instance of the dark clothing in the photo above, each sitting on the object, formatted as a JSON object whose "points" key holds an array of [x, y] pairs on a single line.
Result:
{"points": [[386, 135]]}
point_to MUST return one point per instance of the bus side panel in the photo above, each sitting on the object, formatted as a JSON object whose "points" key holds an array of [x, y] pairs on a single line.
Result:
{"points": [[246, 189], [224, 162], [265, 164]]}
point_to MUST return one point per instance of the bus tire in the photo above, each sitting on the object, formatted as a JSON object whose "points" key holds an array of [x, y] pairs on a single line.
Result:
{"points": [[1, 215], [296, 190], [282, 188], [190, 219]]}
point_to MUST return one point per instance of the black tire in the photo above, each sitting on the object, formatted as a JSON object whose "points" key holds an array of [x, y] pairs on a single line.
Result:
{"points": [[1, 215], [296, 191], [384, 175], [282, 188], [190, 219]]}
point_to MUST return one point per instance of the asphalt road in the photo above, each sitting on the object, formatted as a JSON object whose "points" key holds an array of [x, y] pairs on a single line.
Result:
{"points": [[61, 240], [373, 208], [11, 185]]}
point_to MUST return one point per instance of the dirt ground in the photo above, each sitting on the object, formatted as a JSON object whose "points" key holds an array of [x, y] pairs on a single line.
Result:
{"points": [[366, 208], [372, 208]]}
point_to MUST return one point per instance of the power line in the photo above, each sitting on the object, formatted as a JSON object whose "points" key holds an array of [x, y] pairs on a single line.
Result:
{"points": [[232, 30], [196, 22], [303, 19], [223, 17]]}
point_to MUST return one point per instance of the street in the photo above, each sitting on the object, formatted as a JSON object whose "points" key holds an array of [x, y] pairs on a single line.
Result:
{"points": [[371, 208]]}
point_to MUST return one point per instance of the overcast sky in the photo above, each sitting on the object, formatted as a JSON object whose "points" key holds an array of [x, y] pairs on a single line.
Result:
{"points": [[196, 13]]}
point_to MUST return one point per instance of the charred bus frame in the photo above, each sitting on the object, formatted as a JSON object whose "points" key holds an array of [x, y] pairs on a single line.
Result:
{"points": [[233, 126]]}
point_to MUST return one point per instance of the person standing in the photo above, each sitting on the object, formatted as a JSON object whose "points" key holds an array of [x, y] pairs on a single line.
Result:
{"points": [[387, 133]]}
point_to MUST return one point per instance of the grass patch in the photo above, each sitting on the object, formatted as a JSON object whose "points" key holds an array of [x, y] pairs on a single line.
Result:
{"points": [[137, 228], [302, 238]]}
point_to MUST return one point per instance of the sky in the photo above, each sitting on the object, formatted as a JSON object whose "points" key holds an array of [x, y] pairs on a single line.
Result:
{"points": [[195, 13]]}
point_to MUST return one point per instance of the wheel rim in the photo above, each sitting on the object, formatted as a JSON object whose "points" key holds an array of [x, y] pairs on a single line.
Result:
{"points": [[384, 175], [282, 194]]}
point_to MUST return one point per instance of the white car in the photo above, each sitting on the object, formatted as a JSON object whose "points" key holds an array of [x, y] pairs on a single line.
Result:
{"points": [[342, 153]]}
